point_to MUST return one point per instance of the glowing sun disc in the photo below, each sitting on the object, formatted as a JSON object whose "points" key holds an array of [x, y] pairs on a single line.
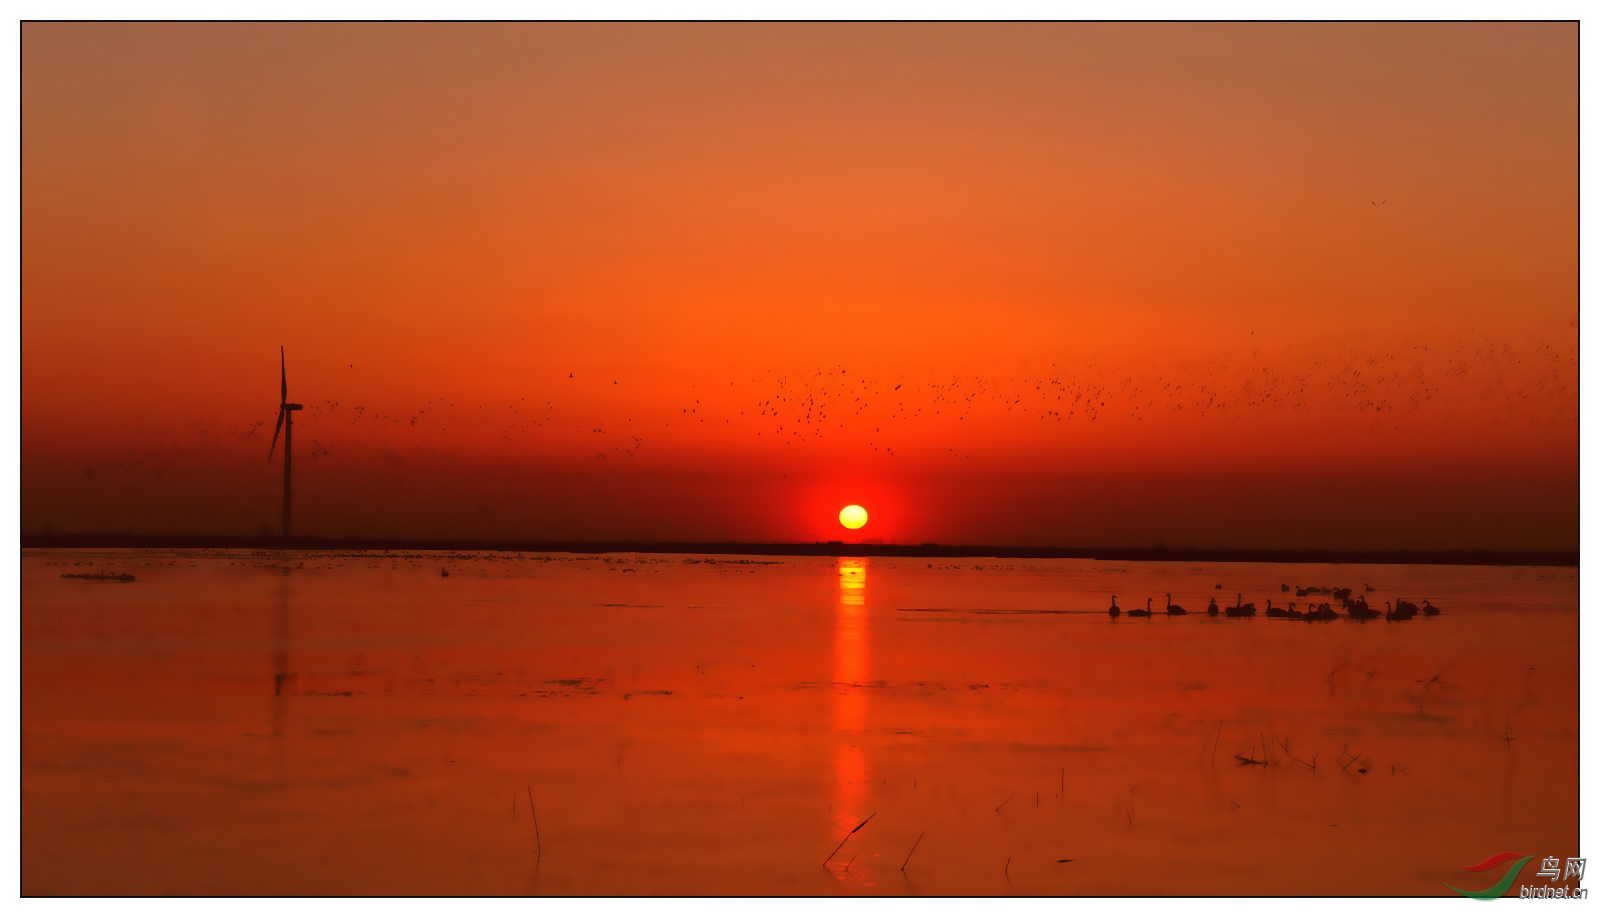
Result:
{"points": [[853, 517]]}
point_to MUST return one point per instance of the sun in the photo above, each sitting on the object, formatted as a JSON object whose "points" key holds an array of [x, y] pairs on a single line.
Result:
{"points": [[853, 517]]}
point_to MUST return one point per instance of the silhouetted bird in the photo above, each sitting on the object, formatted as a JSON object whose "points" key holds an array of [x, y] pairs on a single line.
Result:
{"points": [[1429, 608], [1141, 613], [1401, 613], [1322, 613], [1359, 610], [1175, 610], [1212, 609], [1114, 610]]}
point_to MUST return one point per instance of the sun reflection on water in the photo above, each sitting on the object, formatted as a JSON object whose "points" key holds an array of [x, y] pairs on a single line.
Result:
{"points": [[850, 678]]}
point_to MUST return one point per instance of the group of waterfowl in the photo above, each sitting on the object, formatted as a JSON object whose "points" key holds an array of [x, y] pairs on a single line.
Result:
{"points": [[100, 575], [1355, 609]]}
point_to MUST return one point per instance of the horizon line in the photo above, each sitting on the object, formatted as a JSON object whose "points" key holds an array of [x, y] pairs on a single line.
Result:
{"points": [[839, 548]]}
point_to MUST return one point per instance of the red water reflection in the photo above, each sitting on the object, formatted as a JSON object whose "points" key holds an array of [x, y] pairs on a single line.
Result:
{"points": [[356, 724]]}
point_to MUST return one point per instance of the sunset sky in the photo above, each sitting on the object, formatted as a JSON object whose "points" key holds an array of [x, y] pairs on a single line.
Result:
{"points": [[1232, 286]]}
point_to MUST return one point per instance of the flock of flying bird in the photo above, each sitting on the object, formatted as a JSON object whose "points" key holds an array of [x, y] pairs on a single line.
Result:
{"points": [[1355, 609], [1381, 386], [883, 411]]}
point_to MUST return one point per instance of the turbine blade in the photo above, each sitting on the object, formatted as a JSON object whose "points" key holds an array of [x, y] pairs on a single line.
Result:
{"points": [[275, 432], [283, 368]]}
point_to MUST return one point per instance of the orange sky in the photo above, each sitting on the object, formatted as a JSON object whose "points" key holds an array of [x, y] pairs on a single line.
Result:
{"points": [[1071, 284]]}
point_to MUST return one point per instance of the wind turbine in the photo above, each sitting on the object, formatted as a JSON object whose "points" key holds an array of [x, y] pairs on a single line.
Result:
{"points": [[286, 426]]}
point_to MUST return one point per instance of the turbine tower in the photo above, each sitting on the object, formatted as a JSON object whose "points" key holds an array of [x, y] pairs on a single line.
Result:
{"points": [[286, 426]]}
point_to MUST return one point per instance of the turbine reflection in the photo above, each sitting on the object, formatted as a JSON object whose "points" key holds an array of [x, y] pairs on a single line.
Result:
{"points": [[280, 673]]}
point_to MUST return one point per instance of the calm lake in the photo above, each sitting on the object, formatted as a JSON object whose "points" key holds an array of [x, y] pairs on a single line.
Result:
{"points": [[356, 723]]}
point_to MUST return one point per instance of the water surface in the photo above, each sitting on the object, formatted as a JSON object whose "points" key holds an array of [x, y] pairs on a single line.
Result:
{"points": [[356, 723]]}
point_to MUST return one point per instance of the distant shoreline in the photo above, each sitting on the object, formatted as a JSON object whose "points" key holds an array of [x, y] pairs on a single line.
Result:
{"points": [[815, 549]]}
